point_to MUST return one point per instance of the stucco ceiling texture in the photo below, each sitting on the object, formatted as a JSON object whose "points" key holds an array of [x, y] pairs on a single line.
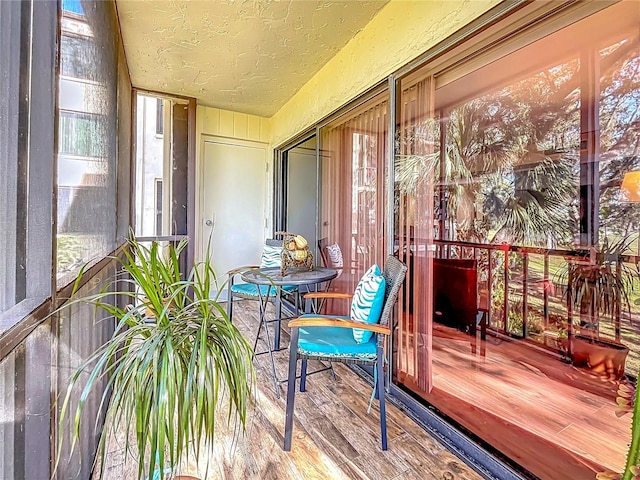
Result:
{"points": [[248, 56]]}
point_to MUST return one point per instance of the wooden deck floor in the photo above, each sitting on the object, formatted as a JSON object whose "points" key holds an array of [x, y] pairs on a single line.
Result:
{"points": [[554, 419], [334, 437]]}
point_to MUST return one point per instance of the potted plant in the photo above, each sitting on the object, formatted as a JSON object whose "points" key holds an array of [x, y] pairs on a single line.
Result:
{"points": [[165, 377], [598, 288]]}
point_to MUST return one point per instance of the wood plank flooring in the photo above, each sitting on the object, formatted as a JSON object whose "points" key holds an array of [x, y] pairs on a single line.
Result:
{"points": [[333, 438], [555, 419]]}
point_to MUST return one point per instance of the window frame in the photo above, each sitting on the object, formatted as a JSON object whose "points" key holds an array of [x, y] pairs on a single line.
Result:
{"points": [[37, 89], [160, 117]]}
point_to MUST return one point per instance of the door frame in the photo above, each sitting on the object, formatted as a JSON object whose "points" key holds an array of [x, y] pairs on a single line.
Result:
{"points": [[279, 205], [281, 181]]}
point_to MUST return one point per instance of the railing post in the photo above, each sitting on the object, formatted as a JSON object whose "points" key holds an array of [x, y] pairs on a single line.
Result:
{"points": [[545, 291], [505, 315], [616, 307], [525, 293], [569, 312], [489, 286]]}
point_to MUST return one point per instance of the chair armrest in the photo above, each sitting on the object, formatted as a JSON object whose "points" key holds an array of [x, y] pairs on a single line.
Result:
{"points": [[235, 271], [327, 295], [337, 322]]}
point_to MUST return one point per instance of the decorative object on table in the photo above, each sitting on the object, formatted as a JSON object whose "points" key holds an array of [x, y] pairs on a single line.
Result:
{"points": [[295, 252], [165, 378], [271, 258]]}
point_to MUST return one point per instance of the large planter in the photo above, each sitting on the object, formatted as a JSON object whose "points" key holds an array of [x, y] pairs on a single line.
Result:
{"points": [[601, 357]]}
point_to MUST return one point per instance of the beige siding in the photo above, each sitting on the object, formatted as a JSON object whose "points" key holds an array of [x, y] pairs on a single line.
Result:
{"points": [[225, 123]]}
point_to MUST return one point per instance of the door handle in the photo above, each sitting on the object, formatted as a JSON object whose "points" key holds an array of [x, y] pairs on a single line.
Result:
{"points": [[209, 223]]}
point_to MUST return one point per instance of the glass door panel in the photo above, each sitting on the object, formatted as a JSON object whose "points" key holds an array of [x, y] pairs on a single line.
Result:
{"points": [[353, 158], [519, 169]]}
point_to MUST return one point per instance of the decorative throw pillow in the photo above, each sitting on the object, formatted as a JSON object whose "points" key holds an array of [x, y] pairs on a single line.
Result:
{"points": [[367, 302], [335, 255], [271, 256]]}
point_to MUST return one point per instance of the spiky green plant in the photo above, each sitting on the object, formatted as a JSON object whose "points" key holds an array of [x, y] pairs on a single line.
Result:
{"points": [[166, 377], [632, 467], [627, 401], [603, 284]]}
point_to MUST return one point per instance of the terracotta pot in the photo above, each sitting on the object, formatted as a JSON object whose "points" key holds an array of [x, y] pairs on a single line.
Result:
{"points": [[600, 356], [148, 312]]}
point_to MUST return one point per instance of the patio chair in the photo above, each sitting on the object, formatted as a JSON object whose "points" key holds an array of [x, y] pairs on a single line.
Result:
{"points": [[349, 340], [248, 291], [331, 255]]}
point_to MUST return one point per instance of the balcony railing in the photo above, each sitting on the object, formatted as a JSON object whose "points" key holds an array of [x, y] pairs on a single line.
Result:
{"points": [[523, 292]]}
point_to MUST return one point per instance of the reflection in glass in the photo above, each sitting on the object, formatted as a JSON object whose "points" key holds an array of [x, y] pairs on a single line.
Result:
{"points": [[519, 319], [76, 54], [86, 137]]}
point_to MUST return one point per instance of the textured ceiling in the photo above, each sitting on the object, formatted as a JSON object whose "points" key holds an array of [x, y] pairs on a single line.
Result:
{"points": [[249, 56]]}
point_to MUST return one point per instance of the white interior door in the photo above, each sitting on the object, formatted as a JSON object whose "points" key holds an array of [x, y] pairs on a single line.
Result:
{"points": [[234, 203]]}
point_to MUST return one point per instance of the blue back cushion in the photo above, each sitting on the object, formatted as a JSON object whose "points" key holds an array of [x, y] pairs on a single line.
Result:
{"points": [[367, 302], [271, 256]]}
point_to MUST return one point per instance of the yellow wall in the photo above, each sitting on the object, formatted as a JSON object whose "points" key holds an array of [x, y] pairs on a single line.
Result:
{"points": [[400, 32]]}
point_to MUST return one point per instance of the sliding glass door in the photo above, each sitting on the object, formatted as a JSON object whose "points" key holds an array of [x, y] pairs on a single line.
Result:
{"points": [[299, 191], [517, 159], [514, 195], [414, 170]]}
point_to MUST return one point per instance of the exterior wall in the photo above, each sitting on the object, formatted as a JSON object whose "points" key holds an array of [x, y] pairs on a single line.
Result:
{"points": [[402, 31], [150, 161]]}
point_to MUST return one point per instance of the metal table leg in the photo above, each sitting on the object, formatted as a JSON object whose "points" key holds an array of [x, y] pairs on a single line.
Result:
{"points": [[276, 333], [264, 301]]}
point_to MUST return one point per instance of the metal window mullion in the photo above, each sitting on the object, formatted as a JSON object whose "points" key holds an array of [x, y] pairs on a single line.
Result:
{"points": [[41, 149], [389, 216], [589, 147], [9, 82], [22, 173]]}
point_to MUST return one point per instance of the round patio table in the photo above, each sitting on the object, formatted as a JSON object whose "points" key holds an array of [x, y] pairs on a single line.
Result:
{"points": [[293, 276], [271, 276]]}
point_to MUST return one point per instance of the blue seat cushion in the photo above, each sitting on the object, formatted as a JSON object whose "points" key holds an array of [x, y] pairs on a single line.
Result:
{"points": [[251, 290], [334, 342]]}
